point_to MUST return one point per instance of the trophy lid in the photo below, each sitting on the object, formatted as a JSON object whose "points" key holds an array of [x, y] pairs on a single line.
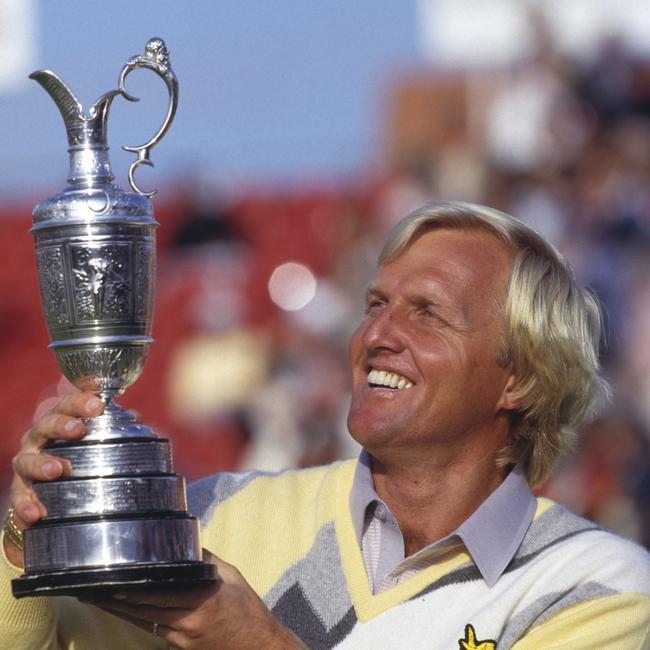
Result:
{"points": [[91, 195]]}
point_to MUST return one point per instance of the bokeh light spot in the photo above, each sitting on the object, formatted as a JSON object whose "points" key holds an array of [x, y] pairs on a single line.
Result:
{"points": [[292, 286]]}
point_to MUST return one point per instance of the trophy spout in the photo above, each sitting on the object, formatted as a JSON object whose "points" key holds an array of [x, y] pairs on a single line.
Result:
{"points": [[80, 129], [66, 102], [87, 135]]}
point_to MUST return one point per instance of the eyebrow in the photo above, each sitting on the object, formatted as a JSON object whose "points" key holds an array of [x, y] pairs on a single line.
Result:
{"points": [[374, 290]]}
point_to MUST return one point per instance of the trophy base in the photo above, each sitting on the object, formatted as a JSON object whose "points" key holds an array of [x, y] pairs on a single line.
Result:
{"points": [[101, 580]]}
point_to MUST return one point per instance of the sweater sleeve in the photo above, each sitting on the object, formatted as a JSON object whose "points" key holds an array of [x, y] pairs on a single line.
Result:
{"points": [[27, 623], [62, 623], [620, 621]]}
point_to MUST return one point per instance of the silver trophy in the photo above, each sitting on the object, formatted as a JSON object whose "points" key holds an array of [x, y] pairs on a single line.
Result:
{"points": [[121, 518]]}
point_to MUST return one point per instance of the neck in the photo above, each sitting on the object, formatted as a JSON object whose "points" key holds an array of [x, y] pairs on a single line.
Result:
{"points": [[431, 499]]}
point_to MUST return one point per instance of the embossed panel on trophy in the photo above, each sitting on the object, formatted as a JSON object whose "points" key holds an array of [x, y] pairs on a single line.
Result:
{"points": [[49, 262], [145, 270], [102, 286]]}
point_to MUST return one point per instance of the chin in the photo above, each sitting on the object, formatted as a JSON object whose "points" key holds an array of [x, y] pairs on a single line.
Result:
{"points": [[358, 431], [370, 434]]}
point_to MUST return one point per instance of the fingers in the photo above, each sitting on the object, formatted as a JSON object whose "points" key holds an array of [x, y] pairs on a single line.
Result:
{"points": [[170, 635], [36, 466], [62, 423], [179, 627], [46, 406], [172, 599], [83, 405], [29, 465], [27, 508], [162, 630], [150, 614], [53, 426]]}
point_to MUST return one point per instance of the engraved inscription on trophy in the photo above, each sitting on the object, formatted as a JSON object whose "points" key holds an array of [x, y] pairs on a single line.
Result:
{"points": [[101, 282]]}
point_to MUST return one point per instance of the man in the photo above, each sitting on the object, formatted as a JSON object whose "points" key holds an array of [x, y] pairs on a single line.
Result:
{"points": [[476, 359]]}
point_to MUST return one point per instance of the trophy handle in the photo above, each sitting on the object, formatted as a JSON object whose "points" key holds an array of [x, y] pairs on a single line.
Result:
{"points": [[156, 58]]}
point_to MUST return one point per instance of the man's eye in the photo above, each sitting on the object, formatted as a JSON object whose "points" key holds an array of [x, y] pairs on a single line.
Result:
{"points": [[428, 312], [374, 305]]}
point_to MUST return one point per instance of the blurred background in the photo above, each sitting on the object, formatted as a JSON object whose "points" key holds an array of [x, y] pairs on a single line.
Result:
{"points": [[304, 132]]}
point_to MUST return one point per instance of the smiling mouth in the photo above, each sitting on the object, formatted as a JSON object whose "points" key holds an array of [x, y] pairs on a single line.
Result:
{"points": [[381, 378]]}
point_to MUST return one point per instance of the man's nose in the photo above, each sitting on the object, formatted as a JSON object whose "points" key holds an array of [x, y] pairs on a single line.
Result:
{"points": [[384, 332]]}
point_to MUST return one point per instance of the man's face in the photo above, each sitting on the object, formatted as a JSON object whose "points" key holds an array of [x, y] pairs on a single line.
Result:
{"points": [[433, 327]]}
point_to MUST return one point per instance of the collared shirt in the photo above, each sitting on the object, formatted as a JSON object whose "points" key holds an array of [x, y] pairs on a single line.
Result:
{"points": [[491, 534]]}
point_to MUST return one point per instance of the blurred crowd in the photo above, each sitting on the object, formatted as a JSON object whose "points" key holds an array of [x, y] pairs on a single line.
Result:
{"points": [[237, 382]]}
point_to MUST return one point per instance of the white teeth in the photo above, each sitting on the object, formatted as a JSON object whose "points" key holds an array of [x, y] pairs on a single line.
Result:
{"points": [[390, 379]]}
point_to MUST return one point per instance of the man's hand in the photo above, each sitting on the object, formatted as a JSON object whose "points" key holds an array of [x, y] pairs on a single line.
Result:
{"points": [[226, 614], [30, 464]]}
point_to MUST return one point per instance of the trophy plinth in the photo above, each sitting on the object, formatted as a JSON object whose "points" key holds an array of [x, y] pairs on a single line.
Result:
{"points": [[120, 519]]}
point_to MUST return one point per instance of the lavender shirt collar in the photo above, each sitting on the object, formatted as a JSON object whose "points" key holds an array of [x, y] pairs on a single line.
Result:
{"points": [[491, 534]]}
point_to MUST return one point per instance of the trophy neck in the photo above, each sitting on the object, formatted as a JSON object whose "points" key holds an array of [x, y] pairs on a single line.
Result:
{"points": [[89, 165], [114, 423], [87, 140]]}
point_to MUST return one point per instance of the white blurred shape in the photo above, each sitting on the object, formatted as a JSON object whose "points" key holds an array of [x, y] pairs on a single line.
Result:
{"points": [[492, 33], [210, 374], [292, 286], [472, 32], [519, 120], [580, 25], [17, 42]]}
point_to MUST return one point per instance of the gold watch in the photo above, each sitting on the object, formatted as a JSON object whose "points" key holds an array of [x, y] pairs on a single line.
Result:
{"points": [[13, 533]]}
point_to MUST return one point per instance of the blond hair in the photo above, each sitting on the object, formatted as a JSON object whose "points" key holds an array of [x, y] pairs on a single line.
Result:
{"points": [[551, 333]]}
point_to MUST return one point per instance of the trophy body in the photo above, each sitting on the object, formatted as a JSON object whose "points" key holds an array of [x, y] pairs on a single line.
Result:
{"points": [[120, 518]]}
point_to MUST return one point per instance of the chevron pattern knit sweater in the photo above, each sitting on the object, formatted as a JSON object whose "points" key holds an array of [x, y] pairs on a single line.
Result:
{"points": [[569, 585]]}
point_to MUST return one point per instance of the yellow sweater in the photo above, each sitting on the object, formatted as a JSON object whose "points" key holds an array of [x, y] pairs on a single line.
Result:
{"points": [[570, 584]]}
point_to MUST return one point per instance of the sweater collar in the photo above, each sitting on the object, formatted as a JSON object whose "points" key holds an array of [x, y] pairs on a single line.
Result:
{"points": [[491, 534]]}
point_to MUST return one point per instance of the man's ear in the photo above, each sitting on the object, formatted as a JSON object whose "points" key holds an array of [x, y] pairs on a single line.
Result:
{"points": [[509, 400]]}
